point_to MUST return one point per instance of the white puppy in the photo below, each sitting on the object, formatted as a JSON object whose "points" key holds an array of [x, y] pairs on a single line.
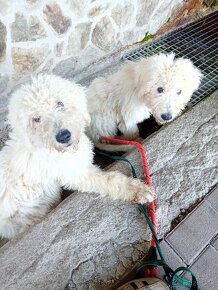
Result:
{"points": [[48, 150], [160, 85]]}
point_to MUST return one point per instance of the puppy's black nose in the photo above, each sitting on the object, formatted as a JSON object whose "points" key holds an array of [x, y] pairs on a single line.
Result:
{"points": [[63, 136], [166, 117]]}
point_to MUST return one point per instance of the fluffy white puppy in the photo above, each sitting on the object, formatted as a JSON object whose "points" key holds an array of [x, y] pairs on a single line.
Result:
{"points": [[160, 85], [48, 150]]}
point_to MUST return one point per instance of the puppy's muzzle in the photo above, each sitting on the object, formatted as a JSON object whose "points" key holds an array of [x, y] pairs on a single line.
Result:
{"points": [[166, 117], [63, 136]]}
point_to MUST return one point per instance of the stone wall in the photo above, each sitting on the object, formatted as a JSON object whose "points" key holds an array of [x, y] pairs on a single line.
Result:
{"points": [[65, 36]]}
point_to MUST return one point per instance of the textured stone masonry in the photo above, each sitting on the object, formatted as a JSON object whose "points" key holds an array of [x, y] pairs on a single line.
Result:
{"points": [[43, 36], [3, 34]]}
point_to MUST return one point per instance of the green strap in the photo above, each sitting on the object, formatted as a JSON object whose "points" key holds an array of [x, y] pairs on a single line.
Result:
{"points": [[176, 278], [173, 277], [151, 263], [116, 158], [143, 209]]}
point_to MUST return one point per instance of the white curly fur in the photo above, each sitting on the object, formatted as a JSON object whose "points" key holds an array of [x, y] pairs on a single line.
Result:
{"points": [[129, 96], [34, 165]]}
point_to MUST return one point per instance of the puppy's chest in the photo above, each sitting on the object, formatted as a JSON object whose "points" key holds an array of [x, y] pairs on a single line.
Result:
{"points": [[71, 166], [30, 197], [138, 114]]}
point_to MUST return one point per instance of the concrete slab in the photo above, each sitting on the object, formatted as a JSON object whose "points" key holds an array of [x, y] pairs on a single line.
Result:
{"points": [[205, 269], [214, 242], [212, 198], [172, 259], [194, 233]]}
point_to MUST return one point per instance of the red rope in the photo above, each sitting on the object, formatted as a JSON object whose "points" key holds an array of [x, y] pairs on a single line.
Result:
{"points": [[152, 207]]}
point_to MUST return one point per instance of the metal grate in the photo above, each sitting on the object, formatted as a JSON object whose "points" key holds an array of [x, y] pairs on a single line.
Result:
{"points": [[197, 41]]}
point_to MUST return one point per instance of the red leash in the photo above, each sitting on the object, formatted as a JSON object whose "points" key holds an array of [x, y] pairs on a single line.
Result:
{"points": [[152, 207]]}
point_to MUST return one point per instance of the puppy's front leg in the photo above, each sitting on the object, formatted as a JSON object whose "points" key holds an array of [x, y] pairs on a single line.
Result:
{"points": [[115, 185], [129, 132]]}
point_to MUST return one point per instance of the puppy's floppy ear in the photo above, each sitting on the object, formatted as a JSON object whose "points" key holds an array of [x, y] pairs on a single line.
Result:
{"points": [[197, 76], [171, 56], [87, 117], [82, 101], [192, 74], [15, 108]]}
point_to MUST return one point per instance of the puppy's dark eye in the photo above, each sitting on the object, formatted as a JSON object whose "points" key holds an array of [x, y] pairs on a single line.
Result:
{"points": [[179, 92], [60, 105], [37, 119], [160, 90]]}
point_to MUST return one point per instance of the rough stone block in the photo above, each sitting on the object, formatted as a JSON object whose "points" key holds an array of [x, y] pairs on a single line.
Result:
{"points": [[161, 13], [67, 67], [88, 234], [23, 30], [90, 30], [78, 7], [98, 10], [3, 34], [123, 14], [28, 60], [144, 11], [4, 79], [54, 16], [104, 35], [79, 38]]}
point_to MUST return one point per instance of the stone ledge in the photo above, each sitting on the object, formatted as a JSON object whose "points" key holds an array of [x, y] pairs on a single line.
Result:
{"points": [[96, 240], [183, 160]]}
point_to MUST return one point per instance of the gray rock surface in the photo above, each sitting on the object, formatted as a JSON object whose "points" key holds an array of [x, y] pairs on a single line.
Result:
{"points": [[104, 35], [54, 17], [23, 30], [3, 34], [123, 14], [183, 159], [26, 60], [79, 38], [88, 242], [3, 125]]}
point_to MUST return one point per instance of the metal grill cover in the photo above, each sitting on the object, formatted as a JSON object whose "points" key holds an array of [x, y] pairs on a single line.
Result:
{"points": [[197, 41]]}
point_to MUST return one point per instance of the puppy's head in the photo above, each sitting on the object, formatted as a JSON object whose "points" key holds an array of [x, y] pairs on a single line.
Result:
{"points": [[169, 85], [50, 113]]}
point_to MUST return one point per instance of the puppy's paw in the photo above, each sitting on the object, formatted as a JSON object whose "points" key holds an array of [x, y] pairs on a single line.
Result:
{"points": [[107, 142], [143, 193], [130, 136], [103, 141]]}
